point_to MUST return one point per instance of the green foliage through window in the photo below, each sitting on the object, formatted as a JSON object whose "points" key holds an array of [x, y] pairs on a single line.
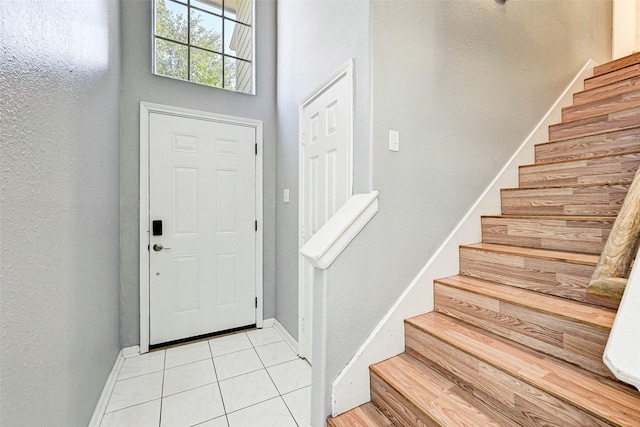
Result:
{"points": [[205, 41]]}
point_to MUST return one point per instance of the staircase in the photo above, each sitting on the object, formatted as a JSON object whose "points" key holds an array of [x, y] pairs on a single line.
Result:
{"points": [[515, 339]]}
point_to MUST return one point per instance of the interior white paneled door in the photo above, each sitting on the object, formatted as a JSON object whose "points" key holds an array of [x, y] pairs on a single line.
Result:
{"points": [[325, 178], [202, 188]]}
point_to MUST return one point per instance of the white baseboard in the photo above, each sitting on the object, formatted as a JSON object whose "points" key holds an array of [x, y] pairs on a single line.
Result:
{"points": [[351, 387], [132, 351], [285, 334], [267, 323], [101, 406]]}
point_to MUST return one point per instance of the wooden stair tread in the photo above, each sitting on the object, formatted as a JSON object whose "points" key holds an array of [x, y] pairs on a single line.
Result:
{"points": [[591, 119], [578, 185], [595, 397], [600, 169], [592, 199], [596, 133], [555, 217], [366, 415], [606, 91], [598, 156], [616, 64], [583, 313], [569, 257], [608, 121], [583, 147], [602, 106], [612, 76], [430, 393]]}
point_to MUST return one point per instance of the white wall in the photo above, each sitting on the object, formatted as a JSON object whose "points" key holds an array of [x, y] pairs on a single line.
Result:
{"points": [[315, 38], [59, 139], [464, 82], [138, 84]]}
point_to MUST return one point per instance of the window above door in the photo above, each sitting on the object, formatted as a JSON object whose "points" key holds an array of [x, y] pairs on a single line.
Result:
{"points": [[205, 41]]}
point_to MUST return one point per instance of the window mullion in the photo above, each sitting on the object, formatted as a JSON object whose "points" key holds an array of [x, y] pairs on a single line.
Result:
{"points": [[223, 45], [189, 40]]}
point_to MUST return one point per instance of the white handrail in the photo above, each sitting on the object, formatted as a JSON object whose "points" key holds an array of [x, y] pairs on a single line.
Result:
{"points": [[334, 236], [622, 353]]}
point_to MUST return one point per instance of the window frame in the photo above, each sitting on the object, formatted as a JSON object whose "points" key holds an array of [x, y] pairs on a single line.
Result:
{"points": [[189, 45]]}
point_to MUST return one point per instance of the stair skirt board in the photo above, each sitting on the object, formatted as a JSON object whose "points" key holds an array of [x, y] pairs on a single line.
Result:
{"points": [[351, 388]]}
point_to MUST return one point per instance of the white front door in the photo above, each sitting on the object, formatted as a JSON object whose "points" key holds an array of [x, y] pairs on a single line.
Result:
{"points": [[326, 177], [202, 213]]}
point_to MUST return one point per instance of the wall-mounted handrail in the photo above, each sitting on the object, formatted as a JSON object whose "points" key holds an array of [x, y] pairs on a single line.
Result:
{"points": [[610, 277]]}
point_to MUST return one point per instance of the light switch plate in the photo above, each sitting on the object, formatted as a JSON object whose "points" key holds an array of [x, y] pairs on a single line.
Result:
{"points": [[394, 140]]}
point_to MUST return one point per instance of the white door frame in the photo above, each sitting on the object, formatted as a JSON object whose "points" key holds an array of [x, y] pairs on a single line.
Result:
{"points": [[146, 109], [345, 71]]}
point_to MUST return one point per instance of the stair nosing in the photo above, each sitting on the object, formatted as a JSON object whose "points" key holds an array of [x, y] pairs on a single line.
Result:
{"points": [[533, 296], [598, 156], [533, 253], [545, 385]]}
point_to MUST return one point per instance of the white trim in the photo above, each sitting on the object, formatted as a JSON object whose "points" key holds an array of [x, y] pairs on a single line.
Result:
{"points": [[132, 351], [351, 387], [286, 335], [345, 71], [268, 323], [146, 108], [101, 406]]}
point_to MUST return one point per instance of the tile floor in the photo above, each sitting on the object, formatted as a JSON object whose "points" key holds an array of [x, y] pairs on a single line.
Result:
{"points": [[243, 380]]}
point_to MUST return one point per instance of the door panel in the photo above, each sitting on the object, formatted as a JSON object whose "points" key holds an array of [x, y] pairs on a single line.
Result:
{"points": [[202, 186], [325, 180]]}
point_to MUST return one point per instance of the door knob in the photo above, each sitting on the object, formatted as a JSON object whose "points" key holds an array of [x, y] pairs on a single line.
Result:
{"points": [[157, 247]]}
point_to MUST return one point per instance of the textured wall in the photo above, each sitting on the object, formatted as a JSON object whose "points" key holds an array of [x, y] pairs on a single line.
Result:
{"points": [[464, 82], [138, 84], [59, 131], [315, 38]]}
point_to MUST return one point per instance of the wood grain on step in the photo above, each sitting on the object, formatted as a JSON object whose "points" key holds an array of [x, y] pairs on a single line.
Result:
{"points": [[607, 91], [366, 415], [612, 121], [612, 77], [596, 317], [617, 64], [456, 359], [575, 234], [562, 274], [544, 323], [582, 200], [601, 106], [432, 336], [413, 396], [599, 144], [607, 169]]}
